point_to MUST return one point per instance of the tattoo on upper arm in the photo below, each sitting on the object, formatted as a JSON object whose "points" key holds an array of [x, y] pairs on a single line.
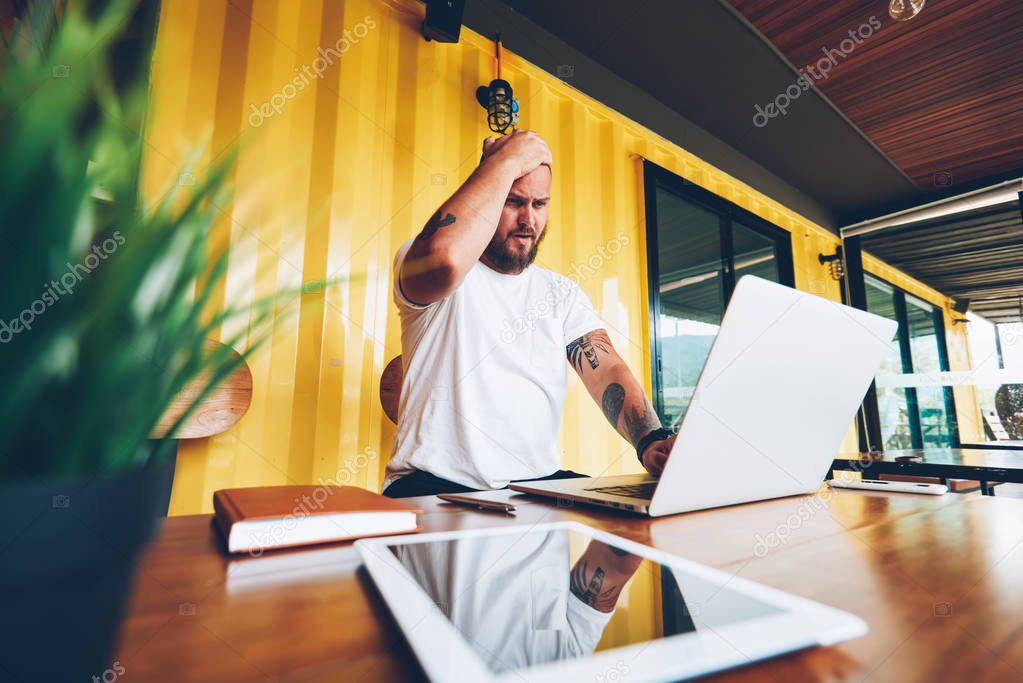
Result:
{"points": [[589, 588], [586, 347], [611, 403], [435, 223], [640, 421]]}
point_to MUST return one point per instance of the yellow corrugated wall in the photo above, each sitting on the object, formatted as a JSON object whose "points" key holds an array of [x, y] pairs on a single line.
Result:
{"points": [[352, 130]]}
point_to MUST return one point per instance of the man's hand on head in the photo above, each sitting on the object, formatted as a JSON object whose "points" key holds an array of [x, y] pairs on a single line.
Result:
{"points": [[656, 455], [461, 229], [524, 151]]}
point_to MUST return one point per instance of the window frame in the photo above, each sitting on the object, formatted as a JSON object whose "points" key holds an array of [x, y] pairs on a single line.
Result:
{"points": [[655, 177]]}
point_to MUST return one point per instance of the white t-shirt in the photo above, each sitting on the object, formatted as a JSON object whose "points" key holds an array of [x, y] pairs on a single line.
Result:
{"points": [[485, 373], [509, 596]]}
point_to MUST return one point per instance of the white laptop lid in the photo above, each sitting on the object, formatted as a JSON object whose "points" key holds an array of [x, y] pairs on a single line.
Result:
{"points": [[780, 389]]}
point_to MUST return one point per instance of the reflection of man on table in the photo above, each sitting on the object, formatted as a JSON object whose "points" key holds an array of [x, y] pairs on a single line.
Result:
{"points": [[515, 599], [599, 576]]}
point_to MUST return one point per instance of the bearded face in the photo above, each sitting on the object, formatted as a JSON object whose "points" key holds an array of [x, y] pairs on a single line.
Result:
{"points": [[516, 251], [523, 222]]}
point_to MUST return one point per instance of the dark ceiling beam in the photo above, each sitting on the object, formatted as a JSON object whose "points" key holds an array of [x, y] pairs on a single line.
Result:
{"points": [[997, 270], [940, 267], [898, 260], [1007, 312], [887, 207], [1006, 287], [988, 216], [990, 250]]}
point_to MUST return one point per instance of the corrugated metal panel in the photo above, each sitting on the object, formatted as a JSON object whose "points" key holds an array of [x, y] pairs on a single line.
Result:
{"points": [[975, 255], [343, 159]]}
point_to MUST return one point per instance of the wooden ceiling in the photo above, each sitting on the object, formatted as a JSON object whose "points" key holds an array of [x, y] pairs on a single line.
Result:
{"points": [[940, 95], [976, 255], [912, 113]]}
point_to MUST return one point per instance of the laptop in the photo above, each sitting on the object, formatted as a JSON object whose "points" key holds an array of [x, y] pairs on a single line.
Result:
{"points": [[780, 389]]}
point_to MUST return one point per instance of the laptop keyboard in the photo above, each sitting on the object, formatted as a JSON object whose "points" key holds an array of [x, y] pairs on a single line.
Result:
{"points": [[645, 490]]}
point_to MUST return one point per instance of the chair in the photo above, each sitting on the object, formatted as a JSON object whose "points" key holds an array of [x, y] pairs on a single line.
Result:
{"points": [[390, 388], [994, 425]]}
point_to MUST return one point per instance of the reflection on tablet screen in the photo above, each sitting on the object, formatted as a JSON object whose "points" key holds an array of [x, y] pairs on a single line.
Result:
{"points": [[525, 599]]}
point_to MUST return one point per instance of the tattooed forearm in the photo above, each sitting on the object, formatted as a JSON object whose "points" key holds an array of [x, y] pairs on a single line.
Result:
{"points": [[589, 587], [611, 403], [435, 223], [586, 347], [640, 420], [620, 395]]}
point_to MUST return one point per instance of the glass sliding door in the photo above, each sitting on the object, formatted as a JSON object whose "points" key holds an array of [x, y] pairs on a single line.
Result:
{"points": [[935, 406], [892, 402], [699, 245], [915, 416]]}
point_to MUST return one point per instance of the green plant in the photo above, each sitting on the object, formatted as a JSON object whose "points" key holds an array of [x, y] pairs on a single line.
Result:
{"points": [[103, 309]]}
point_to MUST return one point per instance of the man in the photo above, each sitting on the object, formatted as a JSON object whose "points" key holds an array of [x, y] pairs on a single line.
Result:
{"points": [[484, 335]]}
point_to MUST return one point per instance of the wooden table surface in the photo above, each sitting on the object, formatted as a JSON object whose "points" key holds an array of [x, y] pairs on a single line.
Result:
{"points": [[937, 578]]}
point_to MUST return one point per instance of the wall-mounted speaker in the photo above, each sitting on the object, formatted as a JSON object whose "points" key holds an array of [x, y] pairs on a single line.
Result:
{"points": [[961, 306], [443, 20]]}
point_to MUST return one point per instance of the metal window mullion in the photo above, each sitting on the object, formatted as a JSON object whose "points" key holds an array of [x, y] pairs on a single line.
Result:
{"points": [[906, 352], [951, 419], [650, 186], [727, 257]]}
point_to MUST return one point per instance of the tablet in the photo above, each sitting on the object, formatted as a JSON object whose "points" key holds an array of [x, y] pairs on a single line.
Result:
{"points": [[550, 603]]}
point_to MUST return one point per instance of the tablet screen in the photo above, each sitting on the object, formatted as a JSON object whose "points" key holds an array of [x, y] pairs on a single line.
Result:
{"points": [[549, 594]]}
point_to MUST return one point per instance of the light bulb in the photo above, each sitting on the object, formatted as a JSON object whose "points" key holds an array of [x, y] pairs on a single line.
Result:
{"points": [[904, 10]]}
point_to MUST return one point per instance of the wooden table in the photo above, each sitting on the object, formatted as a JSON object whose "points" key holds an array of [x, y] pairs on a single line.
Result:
{"points": [[985, 465], [938, 579]]}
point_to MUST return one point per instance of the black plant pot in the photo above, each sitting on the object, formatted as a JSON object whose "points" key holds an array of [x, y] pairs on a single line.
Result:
{"points": [[70, 549]]}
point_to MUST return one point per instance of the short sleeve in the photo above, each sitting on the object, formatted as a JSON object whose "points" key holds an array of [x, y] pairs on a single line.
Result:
{"points": [[585, 623], [399, 296], [580, 316]]}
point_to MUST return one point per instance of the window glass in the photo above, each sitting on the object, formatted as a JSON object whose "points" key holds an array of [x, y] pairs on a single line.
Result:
{"points": [[923, 341], [1008, 397], [993, 348], [1010, 335], [701, 252], [692, 295], [754, 253], [892, 406]]}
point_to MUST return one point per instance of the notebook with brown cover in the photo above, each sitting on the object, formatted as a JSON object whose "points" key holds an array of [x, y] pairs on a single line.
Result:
{"points": [[263, 517]]}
